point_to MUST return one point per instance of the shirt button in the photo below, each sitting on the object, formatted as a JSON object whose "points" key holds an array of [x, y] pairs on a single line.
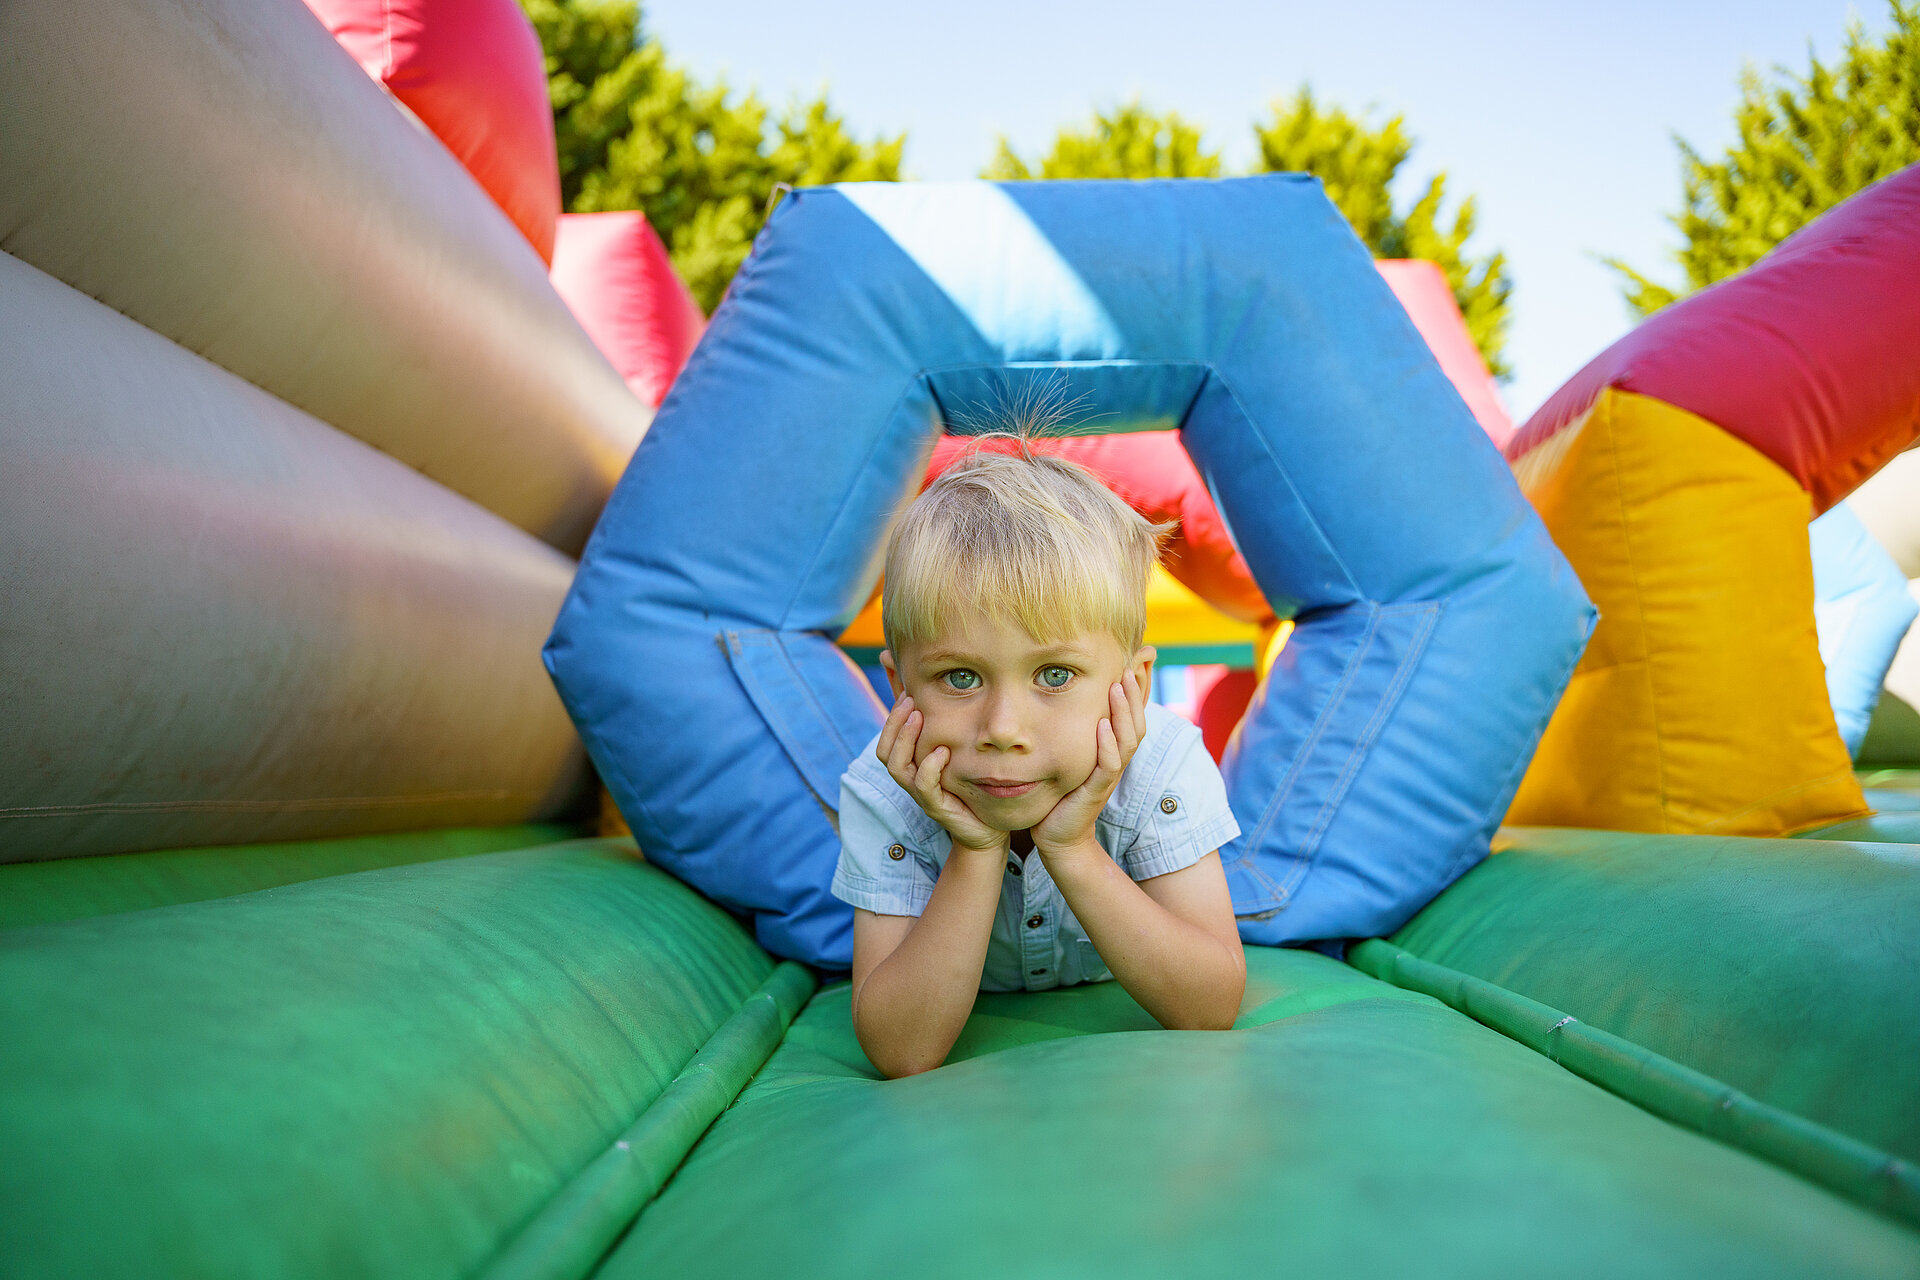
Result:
{"points": [[1035, 921], [1036, 972], [1014, 867], [1169, 805], [896, 851]]}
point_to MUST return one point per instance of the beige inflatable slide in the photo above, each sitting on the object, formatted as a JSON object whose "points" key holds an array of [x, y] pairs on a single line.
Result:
{"points": [[299, 445]]}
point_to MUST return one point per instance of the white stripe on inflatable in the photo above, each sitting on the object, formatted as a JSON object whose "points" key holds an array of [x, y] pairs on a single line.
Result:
{"points": [[222, 621], [223, 172]]}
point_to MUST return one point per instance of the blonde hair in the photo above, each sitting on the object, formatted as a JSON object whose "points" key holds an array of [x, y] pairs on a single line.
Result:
{"points": [[1026, 536]]}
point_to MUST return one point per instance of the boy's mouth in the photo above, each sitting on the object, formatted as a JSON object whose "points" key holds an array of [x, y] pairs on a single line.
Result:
{"points": [[1003, 788]]}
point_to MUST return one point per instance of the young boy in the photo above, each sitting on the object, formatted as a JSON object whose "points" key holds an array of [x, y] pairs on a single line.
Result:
{"points": [[1025, 819]]}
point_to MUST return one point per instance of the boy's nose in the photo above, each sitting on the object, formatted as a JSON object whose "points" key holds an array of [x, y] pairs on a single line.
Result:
{"points": [[1002, 728]]}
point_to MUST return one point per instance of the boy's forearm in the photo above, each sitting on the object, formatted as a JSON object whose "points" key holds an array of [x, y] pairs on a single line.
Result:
{"points": [[1181, 974], [910, 1009]]}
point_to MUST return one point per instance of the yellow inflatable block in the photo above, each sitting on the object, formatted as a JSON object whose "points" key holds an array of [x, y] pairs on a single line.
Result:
{"points": [[1701, 704], [1185, 628]]}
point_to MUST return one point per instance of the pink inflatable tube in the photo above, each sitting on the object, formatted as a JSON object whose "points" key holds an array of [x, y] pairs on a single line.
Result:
{"points": [[473, 73], [616, 278]]}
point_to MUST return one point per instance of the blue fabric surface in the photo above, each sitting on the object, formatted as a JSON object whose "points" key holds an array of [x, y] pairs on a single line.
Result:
{"points": [[1436, 623], [1862, 610]]}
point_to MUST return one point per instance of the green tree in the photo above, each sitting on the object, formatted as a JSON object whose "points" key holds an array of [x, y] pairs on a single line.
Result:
{"points": [[1132, 142], [1805, 144], [634, 131], [1356, 162]]}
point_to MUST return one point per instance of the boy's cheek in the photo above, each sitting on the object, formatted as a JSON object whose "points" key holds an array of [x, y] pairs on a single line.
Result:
{"points": [[933, 735]]}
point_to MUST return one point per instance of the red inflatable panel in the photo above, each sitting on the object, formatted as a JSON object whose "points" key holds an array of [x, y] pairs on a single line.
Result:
{"points": [[472, 71], [1812, 355], [1423, 290], [616, 277]]}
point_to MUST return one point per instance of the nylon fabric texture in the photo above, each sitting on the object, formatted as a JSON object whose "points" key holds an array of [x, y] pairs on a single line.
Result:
{"points": [[1773, 965], [1349, 1128], [246, 191], [1806, 356], [378, 1074], [1862, 610], [75, 888], [695, 649], [475, 75], [228, 623], [1701, 704]]}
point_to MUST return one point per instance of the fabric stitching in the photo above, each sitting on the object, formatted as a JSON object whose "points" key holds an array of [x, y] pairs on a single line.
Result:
{"points": [[1335, 696], [1370, 733]]}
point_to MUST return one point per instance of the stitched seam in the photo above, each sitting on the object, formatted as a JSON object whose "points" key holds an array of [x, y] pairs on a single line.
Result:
{"points": [[1389, 701], [1605, 406], [807, 691], [1720, 824], [767, 707], [1334, 698]]}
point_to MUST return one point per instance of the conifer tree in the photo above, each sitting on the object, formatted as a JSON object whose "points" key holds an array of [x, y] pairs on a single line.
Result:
{"points": [[634, 131], [1805, 144]]}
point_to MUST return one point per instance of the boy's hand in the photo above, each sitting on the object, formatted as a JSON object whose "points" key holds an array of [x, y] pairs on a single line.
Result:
{"points": [[1070, 826], [899, 738]]}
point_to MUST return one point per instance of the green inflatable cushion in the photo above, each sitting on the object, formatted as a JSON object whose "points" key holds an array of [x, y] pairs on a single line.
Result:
{"points": [[379, 1074], [1896, 789], [1886, 827], [70, 888], [1349, 1127], [1780, 967]]}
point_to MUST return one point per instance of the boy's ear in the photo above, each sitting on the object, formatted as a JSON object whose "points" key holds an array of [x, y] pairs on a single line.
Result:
{"points": [[893, 673], [1143, 660]]}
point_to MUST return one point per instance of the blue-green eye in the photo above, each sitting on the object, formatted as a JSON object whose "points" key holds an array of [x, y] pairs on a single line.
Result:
{"points": [[1055, 677], [962, 679]]}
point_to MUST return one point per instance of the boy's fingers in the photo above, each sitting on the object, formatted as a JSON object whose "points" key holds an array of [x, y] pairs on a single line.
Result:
{"points": [[1121, 723], [1136, 702], [888, 732], [900, 761], [896, 717], [926, 779]]}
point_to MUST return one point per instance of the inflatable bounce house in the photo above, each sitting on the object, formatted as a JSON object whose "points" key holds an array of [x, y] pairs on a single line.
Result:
{"points": [[310, 963]]}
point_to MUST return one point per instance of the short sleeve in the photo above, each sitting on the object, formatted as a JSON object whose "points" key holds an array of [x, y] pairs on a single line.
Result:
{"points": [[878, 871], [1185, 815]]}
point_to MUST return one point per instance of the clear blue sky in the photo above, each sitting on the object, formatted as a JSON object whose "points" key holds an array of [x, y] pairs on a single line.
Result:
{"points": [[1556, 116]]}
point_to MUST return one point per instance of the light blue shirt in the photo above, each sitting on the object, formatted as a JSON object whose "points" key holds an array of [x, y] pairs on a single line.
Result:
{"points": [[1168, 811]]}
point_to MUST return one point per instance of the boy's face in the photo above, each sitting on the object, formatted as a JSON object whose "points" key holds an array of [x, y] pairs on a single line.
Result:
{"points": [[1019, 715]]}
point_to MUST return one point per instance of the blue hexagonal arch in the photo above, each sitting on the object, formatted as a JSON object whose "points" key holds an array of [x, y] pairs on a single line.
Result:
{"points": [[1436, 625]]}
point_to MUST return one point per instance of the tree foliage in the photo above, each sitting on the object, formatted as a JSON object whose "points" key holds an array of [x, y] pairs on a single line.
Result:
{"points": [[634, 131], [1356, 161], [1132, 142], [1805, 144]]}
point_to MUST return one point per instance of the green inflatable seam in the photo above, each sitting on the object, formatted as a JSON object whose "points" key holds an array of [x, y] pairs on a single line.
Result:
{"points": [[568, 1238], [1660, 1085]]}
